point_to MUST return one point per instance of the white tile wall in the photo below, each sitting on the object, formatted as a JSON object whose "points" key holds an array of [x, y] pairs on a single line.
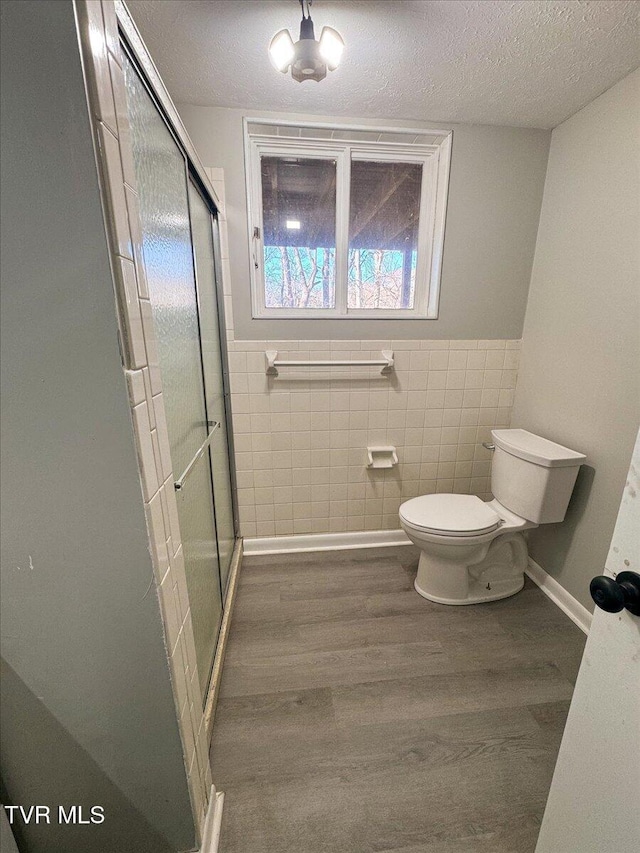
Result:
{"points": [[301, 437]]}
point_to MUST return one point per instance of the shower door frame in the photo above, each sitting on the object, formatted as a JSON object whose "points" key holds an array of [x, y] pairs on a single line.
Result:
{"points": [[189, 178], [133, 47], [194, 171]]}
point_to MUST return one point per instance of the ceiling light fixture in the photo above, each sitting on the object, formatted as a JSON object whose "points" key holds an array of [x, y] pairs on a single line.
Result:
{"points": [[308, 59]]}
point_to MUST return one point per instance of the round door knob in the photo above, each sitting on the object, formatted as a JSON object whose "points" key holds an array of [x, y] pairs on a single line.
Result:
{"points": [[614, 595]]}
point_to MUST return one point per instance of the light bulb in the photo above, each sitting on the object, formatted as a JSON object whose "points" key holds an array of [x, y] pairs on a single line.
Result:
{"points": [[281, 50], [331, 47]]}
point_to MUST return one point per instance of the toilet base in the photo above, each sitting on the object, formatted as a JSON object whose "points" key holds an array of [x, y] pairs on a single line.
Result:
{"points": [[479, 594], [471, 574]]}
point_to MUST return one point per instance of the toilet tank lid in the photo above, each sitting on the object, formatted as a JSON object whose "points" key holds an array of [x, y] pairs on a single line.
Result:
{"points": [[534, 448]]}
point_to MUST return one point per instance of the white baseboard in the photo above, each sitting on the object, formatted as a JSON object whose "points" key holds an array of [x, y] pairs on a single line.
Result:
{"points": [[212, 823], [560, 597], [325, 542]]}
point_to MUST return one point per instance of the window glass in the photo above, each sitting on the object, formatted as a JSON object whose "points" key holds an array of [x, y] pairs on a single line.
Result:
{"points": [[383, 234], [299, 224]]}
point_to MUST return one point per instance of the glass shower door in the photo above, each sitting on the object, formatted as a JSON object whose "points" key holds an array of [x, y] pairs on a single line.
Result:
{"points": [[203, 251], [161, 172]]}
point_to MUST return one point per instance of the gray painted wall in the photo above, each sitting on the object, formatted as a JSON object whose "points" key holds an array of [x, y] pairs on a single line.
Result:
{"points": [[579, 380], [495, 192], [87, 709]]}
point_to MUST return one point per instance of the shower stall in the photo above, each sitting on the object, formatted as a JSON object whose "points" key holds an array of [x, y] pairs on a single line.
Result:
{"points": [[180, 257]]}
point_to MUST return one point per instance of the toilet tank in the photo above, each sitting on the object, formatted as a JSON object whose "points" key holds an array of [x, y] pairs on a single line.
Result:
{"points": [[532, 476]]}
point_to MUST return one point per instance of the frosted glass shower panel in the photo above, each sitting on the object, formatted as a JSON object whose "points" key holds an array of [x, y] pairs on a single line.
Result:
{"points": [[161, 173]]}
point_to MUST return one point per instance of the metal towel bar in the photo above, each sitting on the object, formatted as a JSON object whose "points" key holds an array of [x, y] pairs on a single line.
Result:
{"points": [[179, 483], [273, 363]]}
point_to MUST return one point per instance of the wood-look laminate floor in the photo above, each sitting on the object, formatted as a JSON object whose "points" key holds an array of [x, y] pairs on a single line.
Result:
{"points": [[355, 716]]}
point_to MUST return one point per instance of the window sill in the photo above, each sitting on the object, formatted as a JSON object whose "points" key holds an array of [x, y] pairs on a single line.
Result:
{"points": [[360, 315]]}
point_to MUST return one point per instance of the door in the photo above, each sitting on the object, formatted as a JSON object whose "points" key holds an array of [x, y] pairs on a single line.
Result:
{"points": [[168, 250], [594, 801], [202, 225]]}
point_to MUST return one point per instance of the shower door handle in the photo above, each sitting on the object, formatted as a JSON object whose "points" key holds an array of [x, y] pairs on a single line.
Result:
{"points": [[179, 483]]}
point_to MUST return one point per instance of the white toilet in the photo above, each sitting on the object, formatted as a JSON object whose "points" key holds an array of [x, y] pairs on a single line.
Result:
{"points": [[473, 551]]}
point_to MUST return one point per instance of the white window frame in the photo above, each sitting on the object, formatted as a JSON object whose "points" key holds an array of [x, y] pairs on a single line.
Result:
{"points": [[435, 160]]}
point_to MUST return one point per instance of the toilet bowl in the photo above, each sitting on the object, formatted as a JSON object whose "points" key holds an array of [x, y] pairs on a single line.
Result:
{"points": [[473, 551]]}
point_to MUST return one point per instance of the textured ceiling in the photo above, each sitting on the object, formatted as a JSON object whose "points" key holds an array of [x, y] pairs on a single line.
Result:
{"points": [[530, 63]]}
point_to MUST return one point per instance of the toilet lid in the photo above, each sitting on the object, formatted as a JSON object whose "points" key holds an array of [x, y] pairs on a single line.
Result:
{"points": [[450, 515]]}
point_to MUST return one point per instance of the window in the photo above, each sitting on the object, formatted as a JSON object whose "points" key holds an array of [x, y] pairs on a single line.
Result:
{"points": [[345, 222]]}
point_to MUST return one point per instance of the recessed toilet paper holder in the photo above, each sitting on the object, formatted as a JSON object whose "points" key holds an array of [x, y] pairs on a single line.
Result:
{"points": [[382, 457]]}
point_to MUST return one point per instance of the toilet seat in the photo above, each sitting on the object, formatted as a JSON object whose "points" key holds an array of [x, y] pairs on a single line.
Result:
{"points": [[450, 515]]}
